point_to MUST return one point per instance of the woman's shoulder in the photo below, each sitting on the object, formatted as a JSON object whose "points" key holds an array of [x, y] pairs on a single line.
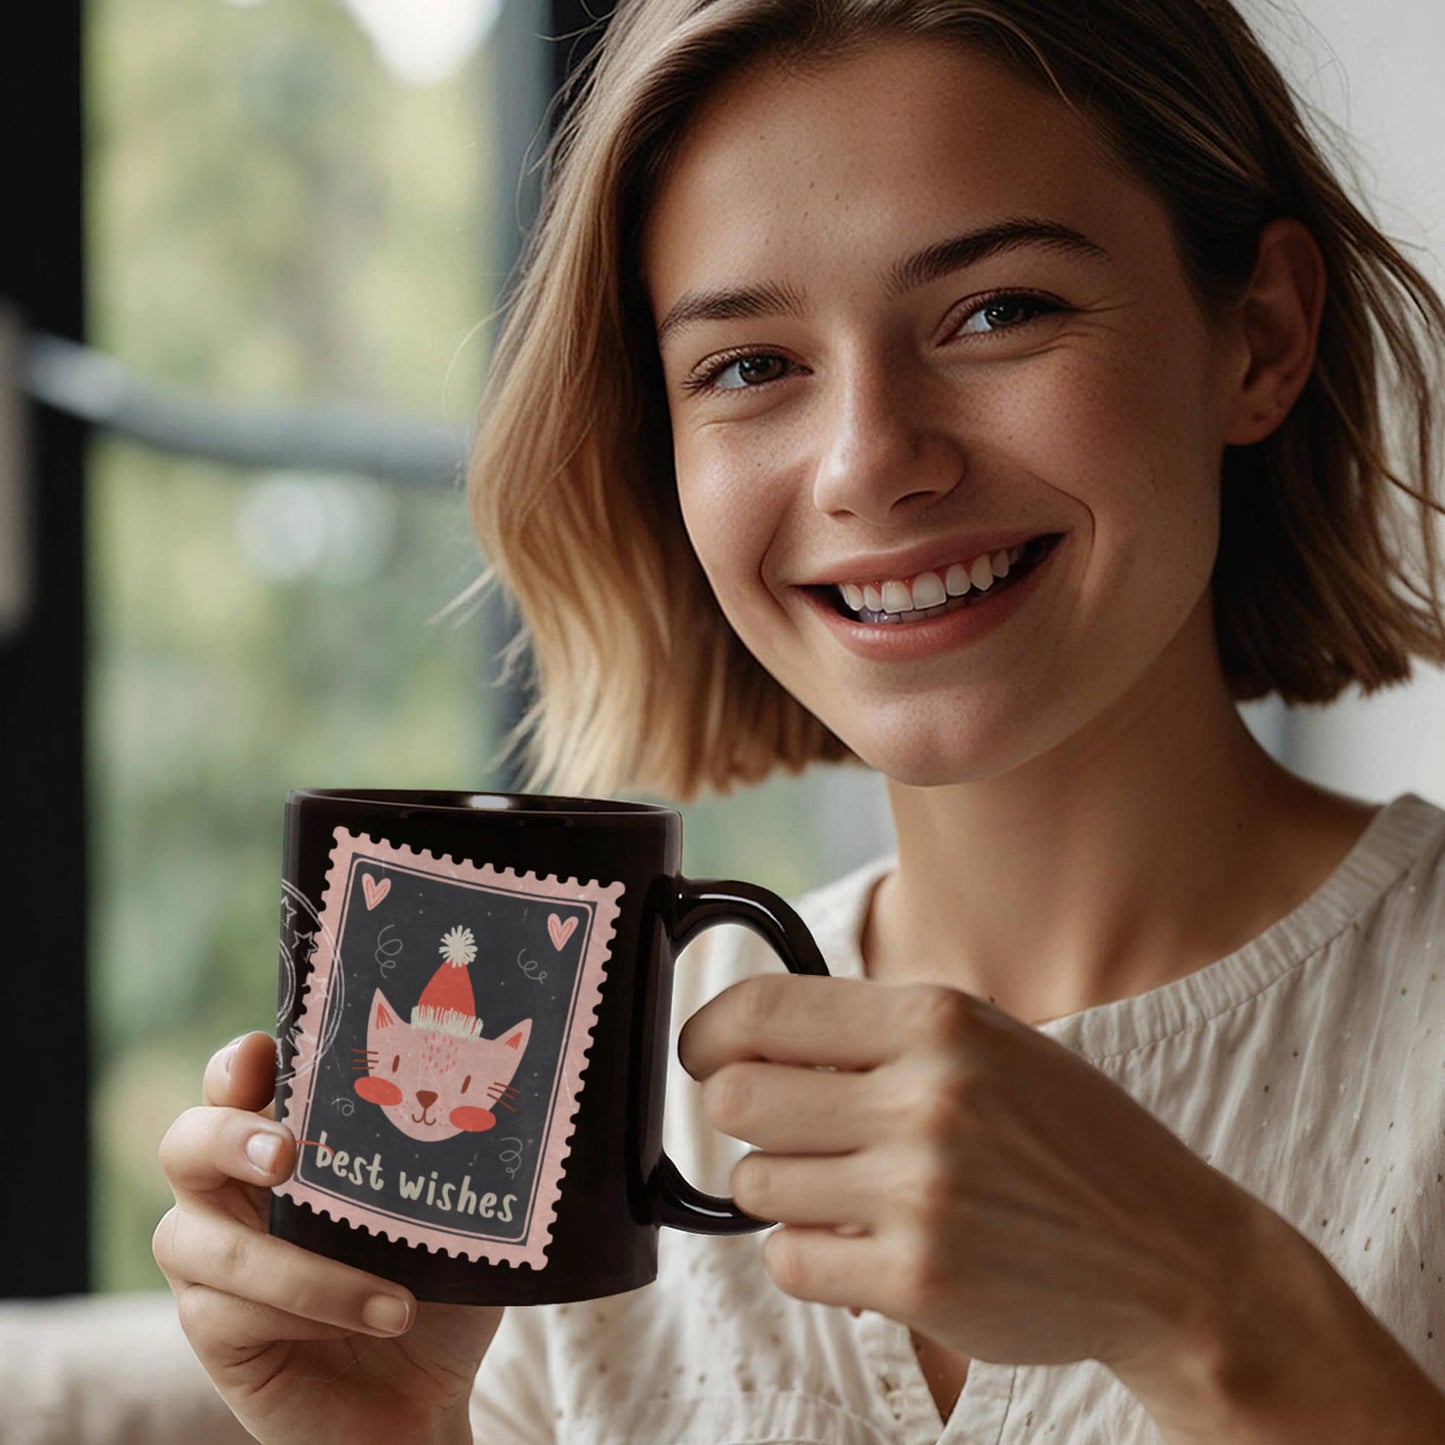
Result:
{"points": [[1403, 857], [1395, 944]]}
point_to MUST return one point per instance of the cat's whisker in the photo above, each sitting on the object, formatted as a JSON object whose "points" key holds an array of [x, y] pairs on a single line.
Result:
{"points": [[503, 1104]]}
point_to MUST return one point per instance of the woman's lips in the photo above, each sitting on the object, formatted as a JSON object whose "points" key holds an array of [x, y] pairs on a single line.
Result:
{"points": [[955, 623], [906, 603]]}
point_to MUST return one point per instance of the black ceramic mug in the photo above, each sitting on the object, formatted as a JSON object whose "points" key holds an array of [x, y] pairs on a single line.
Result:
{"points": [[473, 1026]]}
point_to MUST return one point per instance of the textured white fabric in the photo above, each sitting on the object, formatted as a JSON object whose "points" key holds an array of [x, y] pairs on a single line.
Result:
{"points": [[1309, 1066]]}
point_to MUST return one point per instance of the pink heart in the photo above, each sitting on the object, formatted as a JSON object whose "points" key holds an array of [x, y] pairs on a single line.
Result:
{"points": [[560, 931], [374, 891]]}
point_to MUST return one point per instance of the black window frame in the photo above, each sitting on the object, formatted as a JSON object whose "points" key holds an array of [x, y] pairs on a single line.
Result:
{"points": [[44, 1224]]}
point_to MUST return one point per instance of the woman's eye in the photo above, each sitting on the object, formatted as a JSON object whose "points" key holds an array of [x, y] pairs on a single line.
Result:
{"points": [[1004, 313], [741, 372]]}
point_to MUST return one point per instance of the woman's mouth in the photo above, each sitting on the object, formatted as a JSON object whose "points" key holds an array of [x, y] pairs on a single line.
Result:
{"points": [[933, 594]]}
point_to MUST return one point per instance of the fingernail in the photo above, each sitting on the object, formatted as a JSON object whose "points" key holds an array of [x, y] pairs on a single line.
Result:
{"points": [[229, 1057], [385, 1312], [262, 1149]]}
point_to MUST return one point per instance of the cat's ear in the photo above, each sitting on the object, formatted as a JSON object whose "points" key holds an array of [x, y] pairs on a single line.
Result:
{"points": [[517, 1038], [382, 1013]]}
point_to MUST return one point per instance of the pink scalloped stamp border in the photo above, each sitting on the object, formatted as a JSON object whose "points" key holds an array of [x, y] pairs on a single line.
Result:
{"points": [[351, 851]]}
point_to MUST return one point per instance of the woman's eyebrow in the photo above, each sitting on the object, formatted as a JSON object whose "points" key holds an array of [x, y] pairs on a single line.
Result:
{"points": [[737, 303], [960, 252], [732, 303]]}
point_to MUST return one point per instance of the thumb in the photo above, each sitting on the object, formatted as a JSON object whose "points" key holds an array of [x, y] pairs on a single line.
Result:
{"points": [[243, 1074]]}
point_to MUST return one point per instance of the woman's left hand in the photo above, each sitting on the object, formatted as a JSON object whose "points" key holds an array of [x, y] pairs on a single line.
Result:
{"points": [[937, 1160]]}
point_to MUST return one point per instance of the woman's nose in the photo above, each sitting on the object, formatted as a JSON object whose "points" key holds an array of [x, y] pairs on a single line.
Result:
{"points": [[883, 447]]}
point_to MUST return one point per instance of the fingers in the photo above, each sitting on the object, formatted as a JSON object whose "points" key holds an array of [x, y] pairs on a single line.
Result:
{"points": [[243, 1074], [835, 1192], [251, 1280], [220, 1325], [825, 1266], [207, 1148], [844, 1023], [236, 1286], [787, 1019], [788, 1110]]}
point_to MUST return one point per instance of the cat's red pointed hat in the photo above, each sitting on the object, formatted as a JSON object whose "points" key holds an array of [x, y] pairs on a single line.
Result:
{"points": [[447, 1002]]}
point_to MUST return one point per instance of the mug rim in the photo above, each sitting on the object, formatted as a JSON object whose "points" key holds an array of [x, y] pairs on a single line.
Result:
{"points": [[483, 803]]}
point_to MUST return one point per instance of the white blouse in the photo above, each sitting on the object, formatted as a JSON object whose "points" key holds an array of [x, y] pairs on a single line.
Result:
{"points": [[1309, 1066]]}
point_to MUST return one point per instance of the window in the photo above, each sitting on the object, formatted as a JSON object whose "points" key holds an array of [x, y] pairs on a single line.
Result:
{"points": [[301, 218]]}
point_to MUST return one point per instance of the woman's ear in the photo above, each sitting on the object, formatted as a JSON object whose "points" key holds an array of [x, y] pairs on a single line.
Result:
{"points": [[1275, 331]]}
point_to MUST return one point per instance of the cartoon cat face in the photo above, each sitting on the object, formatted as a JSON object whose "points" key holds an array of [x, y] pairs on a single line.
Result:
{"points": [[433, 1084]]}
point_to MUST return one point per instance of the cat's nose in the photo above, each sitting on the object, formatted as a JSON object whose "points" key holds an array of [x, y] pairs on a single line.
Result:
{"points": [[425, 1098]]}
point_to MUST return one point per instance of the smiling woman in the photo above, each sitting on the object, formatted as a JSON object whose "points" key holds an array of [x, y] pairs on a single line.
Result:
{"points": [[991, 393], [892, 439], [1211, 156]]}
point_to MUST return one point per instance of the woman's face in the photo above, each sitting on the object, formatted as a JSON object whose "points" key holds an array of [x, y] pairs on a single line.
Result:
{"points": [[869, 384]]}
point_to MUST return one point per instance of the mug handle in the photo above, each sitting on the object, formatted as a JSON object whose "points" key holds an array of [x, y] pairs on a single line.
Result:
{"points": [[698, 904]]}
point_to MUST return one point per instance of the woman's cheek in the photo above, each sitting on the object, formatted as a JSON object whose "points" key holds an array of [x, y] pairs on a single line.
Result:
{"points": [[726, 513]]}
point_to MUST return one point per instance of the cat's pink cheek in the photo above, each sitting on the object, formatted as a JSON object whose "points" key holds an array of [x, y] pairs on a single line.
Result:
{"points": [[378, 1091], [474, 1121]]}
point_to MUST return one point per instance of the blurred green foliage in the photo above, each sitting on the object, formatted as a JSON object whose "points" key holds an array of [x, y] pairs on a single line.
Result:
{"points": [[274, 217]]}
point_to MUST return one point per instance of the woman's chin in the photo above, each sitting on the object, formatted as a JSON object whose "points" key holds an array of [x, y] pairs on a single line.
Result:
{"points": [[919, 765], [931, 739]]}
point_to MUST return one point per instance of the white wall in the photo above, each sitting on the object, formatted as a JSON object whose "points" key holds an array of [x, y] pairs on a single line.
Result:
{"points": [[1373, 68]]}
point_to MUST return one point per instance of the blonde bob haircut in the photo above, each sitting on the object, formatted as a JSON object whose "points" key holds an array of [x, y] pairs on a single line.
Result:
{"points": [[641, 684]]}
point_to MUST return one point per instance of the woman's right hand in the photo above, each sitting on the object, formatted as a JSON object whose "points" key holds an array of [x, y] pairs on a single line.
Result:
{"points": [[301, 1348]]}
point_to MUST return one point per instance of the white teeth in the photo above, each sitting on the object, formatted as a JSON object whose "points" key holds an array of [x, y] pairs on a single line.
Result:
{"points": [[957, 580], [896, 597], [928, 591]]}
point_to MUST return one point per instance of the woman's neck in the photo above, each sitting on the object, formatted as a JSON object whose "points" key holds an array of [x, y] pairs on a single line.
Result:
{"points": [[1064, 886]]}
